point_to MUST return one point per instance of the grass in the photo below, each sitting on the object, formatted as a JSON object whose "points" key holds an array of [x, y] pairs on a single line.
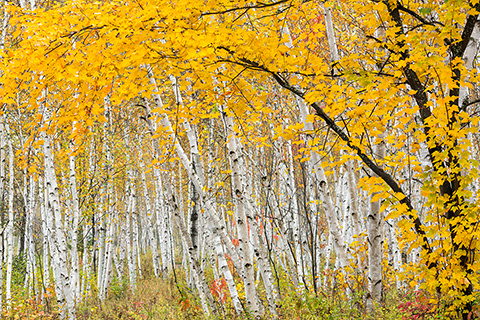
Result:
{"points": [[157, 298], [163, 298]]}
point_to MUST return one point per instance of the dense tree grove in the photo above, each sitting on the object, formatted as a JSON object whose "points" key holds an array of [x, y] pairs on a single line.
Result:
{"points": [[257, 147]]}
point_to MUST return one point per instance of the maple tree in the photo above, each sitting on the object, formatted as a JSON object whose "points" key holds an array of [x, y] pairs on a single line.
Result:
{"points": [[246, 87]]}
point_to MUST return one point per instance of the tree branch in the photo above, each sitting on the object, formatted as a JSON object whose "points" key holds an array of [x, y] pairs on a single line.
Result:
{"points": [[257, 5], [385, 176]]}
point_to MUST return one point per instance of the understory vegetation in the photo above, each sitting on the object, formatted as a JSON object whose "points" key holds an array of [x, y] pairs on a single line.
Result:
{"points": [[167, 298]]}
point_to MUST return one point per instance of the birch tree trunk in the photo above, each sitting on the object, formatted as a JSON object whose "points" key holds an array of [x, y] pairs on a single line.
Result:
{"points": [[109, 252], [375, 243], [100, 223], [2, 199], [63, 284], [3, 239], [374, 228], [9, 228], [292, 191], [110, 217], [243, 216], [87, 259], [132, 270], [5, 18], [29, 237], [75, 273], [150, 219], [46, 236], [161, 215]]}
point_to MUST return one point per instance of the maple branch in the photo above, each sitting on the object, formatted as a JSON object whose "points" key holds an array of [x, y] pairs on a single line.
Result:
{"points": [[385, 176], [458, 48], [468, 104], [258, 5], [418, 17], [54, 48], [420, 97]]}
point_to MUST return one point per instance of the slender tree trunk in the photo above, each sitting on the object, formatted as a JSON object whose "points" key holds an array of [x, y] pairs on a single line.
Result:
{"points": [[375, 244], [75, 272], [9, 228], [30, 278], [63, 280], [109, 252], [375, 229], [150, 219], [46, 236], [243, 216], [132, 270], [2, 198]]}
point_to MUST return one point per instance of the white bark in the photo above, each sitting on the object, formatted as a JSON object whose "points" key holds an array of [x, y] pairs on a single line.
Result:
{"points": [[87, 259], [297, 237], [63, 284], [161, 215], [243, 215], [75, 273], [135, 234], [375, 228], [151, 220], [45, 236], [2, 194], [109, 252], [332, 42], [356, 214], [375, 255], [271, 290], [3, 244], [132, 270], [29, 237], [100, 223], [9, 228], [328, 253], [469, 57]]}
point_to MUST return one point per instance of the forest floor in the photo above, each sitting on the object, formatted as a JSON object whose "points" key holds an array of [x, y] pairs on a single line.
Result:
{"points": [[161, 299], [157, 298]]}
